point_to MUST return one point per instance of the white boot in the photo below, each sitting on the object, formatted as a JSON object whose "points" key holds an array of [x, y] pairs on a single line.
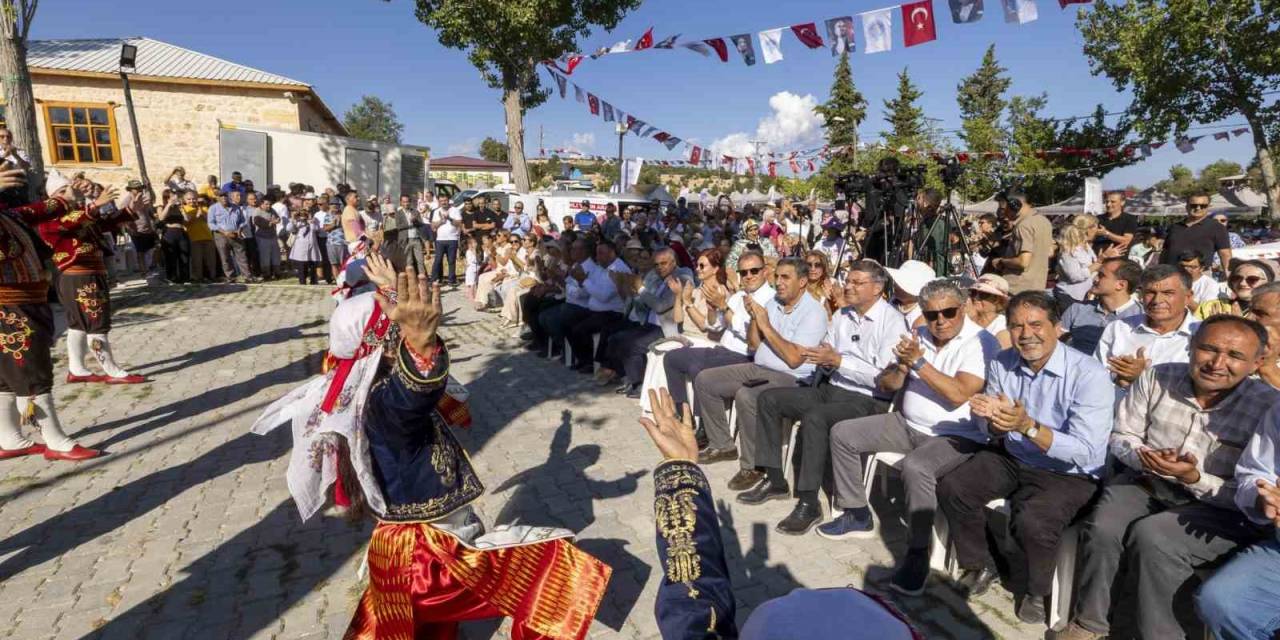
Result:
{"points": [[41, 412], [100, 347], [11, 438], [77, 344]]}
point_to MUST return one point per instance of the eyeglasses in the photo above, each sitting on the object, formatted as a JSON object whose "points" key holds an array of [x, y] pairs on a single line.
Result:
{"points": [[704, 265], [814, 265], [1252, 281], [948, 313], [1198, 205], [750, 272]]}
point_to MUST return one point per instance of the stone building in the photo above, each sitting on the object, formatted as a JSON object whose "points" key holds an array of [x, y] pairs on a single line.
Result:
{"points": [[182, 99], [467, 171]]}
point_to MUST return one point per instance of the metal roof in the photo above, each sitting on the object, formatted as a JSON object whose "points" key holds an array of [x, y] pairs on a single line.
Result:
{"points": [[155, 59]]}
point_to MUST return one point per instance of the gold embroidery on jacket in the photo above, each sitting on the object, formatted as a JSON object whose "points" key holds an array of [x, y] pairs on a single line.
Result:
{"points": [[677, 516]]}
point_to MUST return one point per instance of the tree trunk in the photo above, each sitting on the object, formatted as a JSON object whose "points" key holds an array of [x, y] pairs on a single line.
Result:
{"points": [[1266, 163], [20, 109], [511, 102]]}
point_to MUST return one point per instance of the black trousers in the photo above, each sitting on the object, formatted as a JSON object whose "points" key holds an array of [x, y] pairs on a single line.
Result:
{"points": [[1041, 506], [628, 350], [26, 362], [559, 320], [684, 365], [326, 269], [306, 271], [531, 309], [605, 323], [818, 409], [177, 255]]}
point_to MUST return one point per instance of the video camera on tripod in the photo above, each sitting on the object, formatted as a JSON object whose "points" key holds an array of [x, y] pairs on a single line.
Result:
{"points": [[886, 197]]}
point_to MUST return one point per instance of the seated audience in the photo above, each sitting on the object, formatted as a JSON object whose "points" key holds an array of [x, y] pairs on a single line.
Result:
{"points": [[1112, 291], [604, 304], [987, 300], [1246, 276], [1162, 333], [649, 317]]}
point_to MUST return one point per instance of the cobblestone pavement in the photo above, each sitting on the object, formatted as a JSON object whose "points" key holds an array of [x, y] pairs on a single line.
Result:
{"points": [[186, 529]]}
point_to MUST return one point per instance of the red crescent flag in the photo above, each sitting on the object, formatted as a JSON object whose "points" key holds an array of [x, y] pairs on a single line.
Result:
{"points": [[645, 41], [593, 103], [795, 166], [571, 63], [808, 34], [811, 167], [773, 169], [721, 48], [917, 23]]}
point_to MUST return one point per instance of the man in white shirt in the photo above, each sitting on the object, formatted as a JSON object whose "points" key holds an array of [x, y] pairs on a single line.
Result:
{"points": [[780, 333], [1162, 333], [1203, 287], [683, 365], [604, 304], [557, 321], [937, 368], [859, 344], [447, 222]]}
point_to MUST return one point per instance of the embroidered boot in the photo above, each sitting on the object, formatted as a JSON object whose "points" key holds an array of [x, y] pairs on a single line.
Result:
{"points": [[101, 349], [77, 343], [12, 442], [40, 412]]}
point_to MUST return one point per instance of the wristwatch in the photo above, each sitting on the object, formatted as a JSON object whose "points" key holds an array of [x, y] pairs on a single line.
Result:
{"points": [[1032, 431], [919, 364]]}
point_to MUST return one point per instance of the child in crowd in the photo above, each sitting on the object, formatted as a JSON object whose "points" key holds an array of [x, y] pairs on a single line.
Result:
{"points": [[473, 268]]}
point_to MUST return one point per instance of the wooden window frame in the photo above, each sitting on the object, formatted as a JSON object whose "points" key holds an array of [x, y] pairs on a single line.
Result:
{"points": [[53, 140]]}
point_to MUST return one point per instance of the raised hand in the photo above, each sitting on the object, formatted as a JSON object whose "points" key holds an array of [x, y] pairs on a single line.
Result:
{"points": [[11, 178], [672, 435], [417, 309], [108, 195], [1269, 500], [380, 272], [908, 349]]}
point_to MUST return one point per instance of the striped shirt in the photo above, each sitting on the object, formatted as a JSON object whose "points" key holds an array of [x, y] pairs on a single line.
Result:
{"points": [[1161, 412]]}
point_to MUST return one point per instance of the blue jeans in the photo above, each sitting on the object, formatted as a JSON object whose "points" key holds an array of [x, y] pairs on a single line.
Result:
{"points": [[443, 247], [1240, 601]]}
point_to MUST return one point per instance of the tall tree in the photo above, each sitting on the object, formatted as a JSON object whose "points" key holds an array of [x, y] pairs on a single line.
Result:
{"points": [[904, 115], [373, 119], [982, 102], [507, 39], [493, 150], [1029, 131], [1192, 61], [20, 103], [1182, 183], [843, 111]]}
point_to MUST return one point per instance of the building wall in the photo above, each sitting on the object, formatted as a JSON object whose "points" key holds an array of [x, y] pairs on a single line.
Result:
{"points": [[320, 160], [464, 177], [178, 123]]}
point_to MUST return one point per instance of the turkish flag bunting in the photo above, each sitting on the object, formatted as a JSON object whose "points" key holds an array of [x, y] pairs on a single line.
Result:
{"points": [[811, 167], [661, 136], [1064, 3], [751, 166], [808, 34], [695, 155], [593, 103], [645, 41], [795, 166], [572, 63], [962, 157], [722, 50], [917, 23]]}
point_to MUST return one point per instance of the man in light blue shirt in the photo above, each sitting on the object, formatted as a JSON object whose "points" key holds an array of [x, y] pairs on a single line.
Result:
{"points": [[779, 333], [518, 222], [230, 226], [1048, 408]]}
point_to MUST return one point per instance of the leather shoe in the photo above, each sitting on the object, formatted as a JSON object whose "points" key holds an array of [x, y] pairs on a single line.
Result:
{"points": [[132, 378], [975, 582], [33, 450], [711, 456], [802, 518], [744, 479], [93, 377], [76, 454], [1031, 609], [763, 492]]}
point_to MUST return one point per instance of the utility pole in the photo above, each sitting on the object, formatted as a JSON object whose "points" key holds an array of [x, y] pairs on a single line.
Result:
{"points": [[755, 179], [542, 148]]}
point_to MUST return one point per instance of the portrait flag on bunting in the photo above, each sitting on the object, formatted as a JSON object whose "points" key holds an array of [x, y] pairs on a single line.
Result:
{"points": [[645, 41], [877, 30], [966, 11], [917, 23], [1020, 11], [695, 155], [667, 43], [608, 111], [721, 48], [621, 47], [743, 43], [578, 94], [561, 82], [773, 169], [771, 45], [807, 34], [593, 103]]}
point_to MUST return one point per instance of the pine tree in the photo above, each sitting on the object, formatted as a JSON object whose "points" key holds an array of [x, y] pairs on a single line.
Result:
{"points": [[843, 111], [905, 118], [981, 100]]}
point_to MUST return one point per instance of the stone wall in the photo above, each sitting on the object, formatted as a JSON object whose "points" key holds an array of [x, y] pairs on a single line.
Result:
{"points": [[178, 123]]}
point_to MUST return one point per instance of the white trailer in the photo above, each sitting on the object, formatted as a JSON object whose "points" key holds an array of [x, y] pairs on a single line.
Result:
{"points": [[279, 156]]}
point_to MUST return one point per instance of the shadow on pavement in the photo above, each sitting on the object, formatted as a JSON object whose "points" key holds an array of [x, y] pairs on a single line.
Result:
{"points": [[191, 358]]}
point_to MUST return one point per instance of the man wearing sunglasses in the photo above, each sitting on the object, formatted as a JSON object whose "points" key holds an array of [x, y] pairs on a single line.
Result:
{"points": [[1197, 233], [779, 333], [684, 365], [858, 346]]}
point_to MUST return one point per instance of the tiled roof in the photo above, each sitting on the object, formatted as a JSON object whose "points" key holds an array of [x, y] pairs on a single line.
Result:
{"points": [[155, 58], [469, 163]]}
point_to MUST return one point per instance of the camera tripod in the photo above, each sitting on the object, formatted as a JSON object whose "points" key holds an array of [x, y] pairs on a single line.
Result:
{"points": [[949, 218]]}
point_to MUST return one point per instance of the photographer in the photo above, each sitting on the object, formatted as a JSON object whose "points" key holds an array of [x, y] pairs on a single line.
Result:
{"points": [[931, 244], [1026, 266]]}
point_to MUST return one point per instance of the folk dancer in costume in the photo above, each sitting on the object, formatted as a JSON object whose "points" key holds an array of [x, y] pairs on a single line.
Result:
{"points": [[26, 326], [429, 566], [82, 281], [695, 599]]}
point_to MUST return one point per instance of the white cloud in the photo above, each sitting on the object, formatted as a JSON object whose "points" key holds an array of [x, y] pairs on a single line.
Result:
{"points": [[470, 146], [584, 141], [791, 123]]}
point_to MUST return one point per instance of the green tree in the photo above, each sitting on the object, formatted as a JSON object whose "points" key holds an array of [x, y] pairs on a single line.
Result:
{"points": [[904, 115], [843, 111], [373, 119], [507, 39], [1182, 182], [1030, 132], [1192, 61], [981, 100], [20, 103], [1091, 133], [493, 150]]}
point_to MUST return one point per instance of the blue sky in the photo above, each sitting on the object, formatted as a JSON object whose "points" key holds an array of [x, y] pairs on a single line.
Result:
{"points": [[346, 48]]}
